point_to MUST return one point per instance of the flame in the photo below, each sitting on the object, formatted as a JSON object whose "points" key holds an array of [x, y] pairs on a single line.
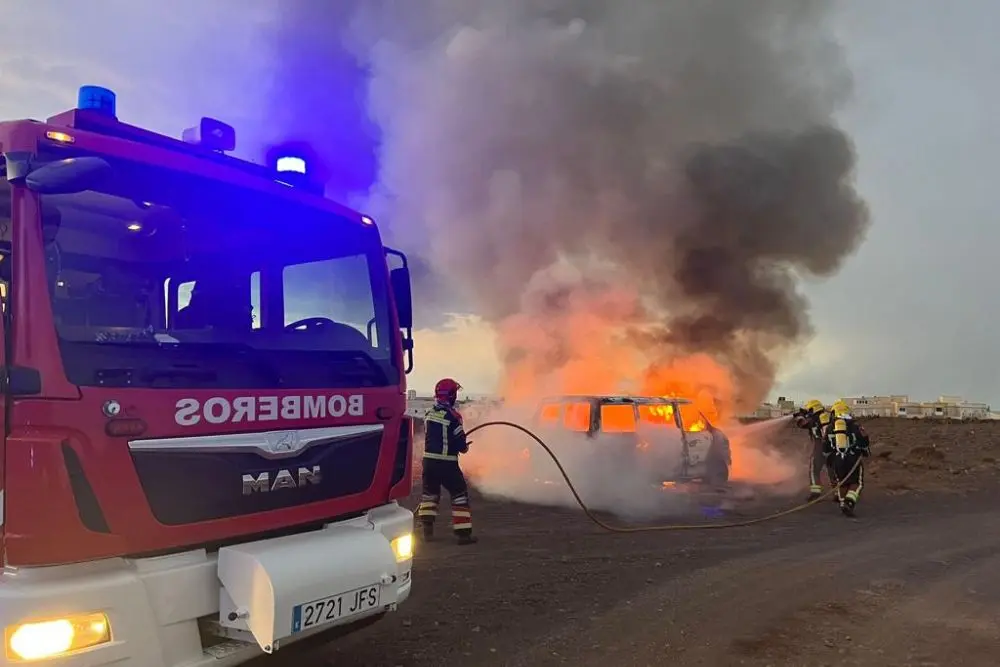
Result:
{"points": [[691, 416], [603, 342]]}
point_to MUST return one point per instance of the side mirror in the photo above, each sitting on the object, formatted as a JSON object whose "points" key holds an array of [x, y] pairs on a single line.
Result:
{"points": [[401, 292], [399, 280], [68, 176]]}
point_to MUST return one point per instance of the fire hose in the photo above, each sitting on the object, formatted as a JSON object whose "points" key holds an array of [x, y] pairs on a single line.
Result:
{"points": [[660, 527]]}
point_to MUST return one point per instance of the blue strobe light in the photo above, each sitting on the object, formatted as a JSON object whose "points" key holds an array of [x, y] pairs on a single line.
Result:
{"points": [[290, 165], [96, 98]]}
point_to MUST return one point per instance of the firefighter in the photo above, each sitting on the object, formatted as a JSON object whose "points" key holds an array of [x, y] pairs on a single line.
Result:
{"points": [[814, 417], [850, 445], [444, 440]]}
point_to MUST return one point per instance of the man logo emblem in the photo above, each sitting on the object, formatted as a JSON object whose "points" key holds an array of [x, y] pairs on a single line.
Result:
{"points": [[283, 442]]}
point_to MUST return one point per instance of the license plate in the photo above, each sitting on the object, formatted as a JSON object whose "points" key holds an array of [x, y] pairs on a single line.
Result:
{"points": [[329, 609]]}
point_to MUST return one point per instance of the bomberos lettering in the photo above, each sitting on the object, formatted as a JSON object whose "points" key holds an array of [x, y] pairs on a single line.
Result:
{"points": [[219, 410]]}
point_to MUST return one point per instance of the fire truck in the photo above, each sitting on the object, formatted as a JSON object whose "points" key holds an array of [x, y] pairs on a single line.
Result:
{"points": [[203, 400]]}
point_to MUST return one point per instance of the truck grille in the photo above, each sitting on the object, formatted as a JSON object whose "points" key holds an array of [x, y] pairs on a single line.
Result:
{"points": [[187, 480]]}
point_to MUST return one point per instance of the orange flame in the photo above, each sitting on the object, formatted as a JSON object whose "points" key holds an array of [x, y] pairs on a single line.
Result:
{"points": [[593, 345]]}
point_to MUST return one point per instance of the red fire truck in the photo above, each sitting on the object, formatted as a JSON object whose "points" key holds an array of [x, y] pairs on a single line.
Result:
{"points": [[203, 400]]}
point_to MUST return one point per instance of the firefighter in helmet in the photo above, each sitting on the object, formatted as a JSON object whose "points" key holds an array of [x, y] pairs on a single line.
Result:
{"points": [[444, 440], [814, 418], [850, 445]]}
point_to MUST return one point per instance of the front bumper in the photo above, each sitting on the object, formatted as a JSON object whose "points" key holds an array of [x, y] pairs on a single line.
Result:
{"points": [[195, 608]]}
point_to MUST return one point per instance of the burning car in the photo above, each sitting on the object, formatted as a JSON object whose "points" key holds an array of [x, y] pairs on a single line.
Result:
{"points": [[668, 437]]}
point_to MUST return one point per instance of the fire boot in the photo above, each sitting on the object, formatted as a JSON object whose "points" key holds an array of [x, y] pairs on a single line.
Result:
{"points": [[815, 491], [850, 501], [466, 537], [847, 506]]}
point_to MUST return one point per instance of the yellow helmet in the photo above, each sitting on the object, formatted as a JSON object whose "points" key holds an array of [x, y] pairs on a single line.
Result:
{"points": [[815, 405], [840, 408]]}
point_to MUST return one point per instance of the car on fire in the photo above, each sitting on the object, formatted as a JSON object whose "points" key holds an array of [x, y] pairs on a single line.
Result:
{"points": [[670, 437]]}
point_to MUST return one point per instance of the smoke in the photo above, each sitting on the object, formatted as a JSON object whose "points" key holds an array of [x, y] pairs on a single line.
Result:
{"points": [[610, 474], [646, 175], [607, 471]]}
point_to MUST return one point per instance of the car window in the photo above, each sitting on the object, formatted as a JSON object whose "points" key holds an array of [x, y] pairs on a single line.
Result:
{"points": [[576, 417], [617, 418], [549, 413], [657, 415]]}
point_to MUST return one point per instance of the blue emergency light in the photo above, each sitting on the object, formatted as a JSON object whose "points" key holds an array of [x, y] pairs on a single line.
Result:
{"points": [[290, 165], [96, 99]]}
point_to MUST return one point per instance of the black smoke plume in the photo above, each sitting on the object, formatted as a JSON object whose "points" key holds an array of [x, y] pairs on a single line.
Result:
{"points": [[684, 152]]}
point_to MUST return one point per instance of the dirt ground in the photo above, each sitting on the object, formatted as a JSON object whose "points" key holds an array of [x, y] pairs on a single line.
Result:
{"points": [[913, 580]]}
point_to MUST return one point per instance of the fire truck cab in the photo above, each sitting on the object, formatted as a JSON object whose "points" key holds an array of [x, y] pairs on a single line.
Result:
{"points": [[203, 393]]}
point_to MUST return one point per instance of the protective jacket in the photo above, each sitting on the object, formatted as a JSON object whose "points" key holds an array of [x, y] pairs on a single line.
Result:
{"points": [[444, 434], [815, 423]]}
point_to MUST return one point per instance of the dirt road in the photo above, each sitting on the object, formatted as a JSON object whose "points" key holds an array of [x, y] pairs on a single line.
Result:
{"points": [[915, 580]]}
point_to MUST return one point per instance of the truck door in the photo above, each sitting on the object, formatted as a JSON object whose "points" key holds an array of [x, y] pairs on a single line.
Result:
{"points": [[5, 272]]}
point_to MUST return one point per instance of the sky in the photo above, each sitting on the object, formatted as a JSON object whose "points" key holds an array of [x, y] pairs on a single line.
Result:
{"points": [[911, 312]]}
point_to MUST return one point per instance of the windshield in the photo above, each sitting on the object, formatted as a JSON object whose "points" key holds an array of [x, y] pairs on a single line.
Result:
{"points": [[165, 279]]}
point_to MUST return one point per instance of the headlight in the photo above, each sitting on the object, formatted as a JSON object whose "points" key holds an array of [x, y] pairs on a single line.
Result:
{"points": [[403, 547], [56, 637]]}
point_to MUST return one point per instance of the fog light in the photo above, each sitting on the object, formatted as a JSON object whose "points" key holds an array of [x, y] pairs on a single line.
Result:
{"points": [[56, 637], [403, 547]]}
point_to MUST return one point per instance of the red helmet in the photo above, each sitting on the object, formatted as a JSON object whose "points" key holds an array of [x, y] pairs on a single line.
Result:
{"points": [[446, 391]]}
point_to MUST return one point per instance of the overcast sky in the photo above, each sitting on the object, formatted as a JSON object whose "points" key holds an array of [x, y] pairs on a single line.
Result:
{"points": [[912, 312]]}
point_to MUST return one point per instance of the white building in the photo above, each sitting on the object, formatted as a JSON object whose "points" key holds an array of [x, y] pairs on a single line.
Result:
{"points": [[900, 405]]}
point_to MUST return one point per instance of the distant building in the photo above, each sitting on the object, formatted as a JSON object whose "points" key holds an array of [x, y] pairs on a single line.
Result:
{"points": [[876, 406], [780, 408], [894, 405], [900, 405]]}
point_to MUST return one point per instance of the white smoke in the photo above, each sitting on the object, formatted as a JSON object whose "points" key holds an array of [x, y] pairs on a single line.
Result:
{"points": [[611, 474]]}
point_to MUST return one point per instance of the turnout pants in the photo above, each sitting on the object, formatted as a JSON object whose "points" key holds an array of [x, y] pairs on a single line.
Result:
{"points": [[440, 474], [853, 481], [821, 458]]}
